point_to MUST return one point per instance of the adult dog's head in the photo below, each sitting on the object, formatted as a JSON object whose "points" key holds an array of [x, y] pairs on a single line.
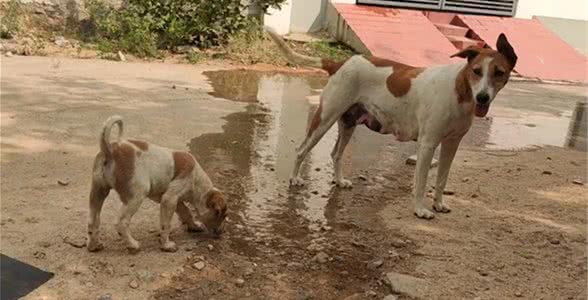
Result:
{"points": [[214, 218], [486, 73]]}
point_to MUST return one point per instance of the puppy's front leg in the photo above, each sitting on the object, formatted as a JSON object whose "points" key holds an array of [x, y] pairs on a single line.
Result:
{"points": [[424, 158], [187, 218], [448, 150], [169, 203]]}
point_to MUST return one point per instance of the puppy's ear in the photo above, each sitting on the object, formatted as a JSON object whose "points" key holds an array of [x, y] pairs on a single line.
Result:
{"points": [[470, 53], [215, 201], [504, 48]]}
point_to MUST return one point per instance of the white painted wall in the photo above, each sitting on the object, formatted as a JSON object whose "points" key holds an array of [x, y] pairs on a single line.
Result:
{"points": [[300, 15], [280, 19], [567, 9]]}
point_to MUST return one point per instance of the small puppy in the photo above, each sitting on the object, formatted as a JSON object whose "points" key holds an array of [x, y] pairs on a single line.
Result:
{"points": [[137, 170]]}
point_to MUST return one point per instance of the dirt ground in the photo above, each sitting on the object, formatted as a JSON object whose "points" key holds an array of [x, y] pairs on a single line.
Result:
{"points": [[517, 229]]}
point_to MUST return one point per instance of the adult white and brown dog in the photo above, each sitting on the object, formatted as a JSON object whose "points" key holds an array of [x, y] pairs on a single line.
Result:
{"points": [[433, 105], [137, 170]]}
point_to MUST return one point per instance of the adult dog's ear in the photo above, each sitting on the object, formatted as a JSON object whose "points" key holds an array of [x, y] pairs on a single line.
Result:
{"points": [[470, 53], [215, 200], [504, 48]]}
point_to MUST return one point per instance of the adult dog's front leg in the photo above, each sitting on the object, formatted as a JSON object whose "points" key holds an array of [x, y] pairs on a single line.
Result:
{"points": [[424, 158], [448, 150]]}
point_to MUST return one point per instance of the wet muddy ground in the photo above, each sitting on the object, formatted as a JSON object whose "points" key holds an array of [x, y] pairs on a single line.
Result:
{"points": [[517, 229]]}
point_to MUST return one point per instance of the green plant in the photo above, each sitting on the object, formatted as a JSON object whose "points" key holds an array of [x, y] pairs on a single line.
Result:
{"points": [[143, 26], [11, 21]]}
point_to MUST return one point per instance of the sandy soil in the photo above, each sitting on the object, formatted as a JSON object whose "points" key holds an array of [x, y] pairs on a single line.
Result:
{"points": [[517, 229]]}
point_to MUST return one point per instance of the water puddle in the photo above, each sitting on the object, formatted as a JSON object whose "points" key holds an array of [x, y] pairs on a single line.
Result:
{"points": [[256, 149]]}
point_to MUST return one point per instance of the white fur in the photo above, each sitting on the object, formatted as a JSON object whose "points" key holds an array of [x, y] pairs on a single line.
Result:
{"points": [[429, 112], [153, 177]]}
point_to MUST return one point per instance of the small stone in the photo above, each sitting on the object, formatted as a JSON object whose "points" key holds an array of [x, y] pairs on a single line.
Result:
{"points": [[406, 284], [393, 255], [294, 265], [121, 56], [164, 275], [152, 230], [362, 177], [174, 87], [45, 244], [371, 294], [77, 243], [210, 247], [374, 264], [39, 255], [465, 179], [321, 258], [547, 173], [9, 54], [317, 169], [578, 182], [188, 249], [63, 182], [239, 282], [391, 297], [249, 272], [448, 192], [518, 294], [398, 243], [315, 192], [104, 297], [89, 285], [482, 272], [554, 242], [199, 265], [134, 284], [474, 195]]}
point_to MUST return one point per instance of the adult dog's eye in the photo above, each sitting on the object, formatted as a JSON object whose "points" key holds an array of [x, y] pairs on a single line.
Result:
{"points": [[478, 71], [499, 73]]}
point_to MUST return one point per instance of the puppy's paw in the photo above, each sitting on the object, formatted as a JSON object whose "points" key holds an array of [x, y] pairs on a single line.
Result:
{"points": [[134, 247], [196, 227], [296, 181], [441, 207], [93, 246], [169, 246], [344, 183], [424, 213]]}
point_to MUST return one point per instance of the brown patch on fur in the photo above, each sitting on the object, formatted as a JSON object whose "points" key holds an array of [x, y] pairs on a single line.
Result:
{"points": [[144, 146], [216, 202], [124, 169], [332, 66], [399, 82], [462, 86], [184, 163]]}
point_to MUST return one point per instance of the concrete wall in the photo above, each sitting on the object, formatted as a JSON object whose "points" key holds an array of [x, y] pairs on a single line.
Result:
{"points": [[300, 15], [568, 9], [574, 32]]}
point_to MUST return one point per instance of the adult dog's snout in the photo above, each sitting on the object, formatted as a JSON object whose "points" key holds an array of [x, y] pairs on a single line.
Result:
{"points": [[483, 98]]}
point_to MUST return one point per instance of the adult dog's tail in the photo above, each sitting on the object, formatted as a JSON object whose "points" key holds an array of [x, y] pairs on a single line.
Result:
{"points": [[105, 145], [291, 56]]}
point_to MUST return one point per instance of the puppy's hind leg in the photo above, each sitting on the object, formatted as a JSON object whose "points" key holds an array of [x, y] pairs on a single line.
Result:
{"points": [[98, 194], [130, 206], [345, 133]]}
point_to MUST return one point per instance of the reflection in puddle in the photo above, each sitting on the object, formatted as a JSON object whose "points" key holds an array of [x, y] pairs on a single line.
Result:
{"points": [[258, 146]]}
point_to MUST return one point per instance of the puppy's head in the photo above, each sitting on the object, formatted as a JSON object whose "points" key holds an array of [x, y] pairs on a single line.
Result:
{"points": [[487, 71], [214, 218]]}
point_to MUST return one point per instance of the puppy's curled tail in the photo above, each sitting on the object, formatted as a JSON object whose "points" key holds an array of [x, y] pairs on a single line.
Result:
{"points": [[291, 56], [105, 146]]}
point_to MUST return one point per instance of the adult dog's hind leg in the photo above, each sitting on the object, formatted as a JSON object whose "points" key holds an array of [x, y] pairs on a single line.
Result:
{"points": [[320, 124], [345, 133]]}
